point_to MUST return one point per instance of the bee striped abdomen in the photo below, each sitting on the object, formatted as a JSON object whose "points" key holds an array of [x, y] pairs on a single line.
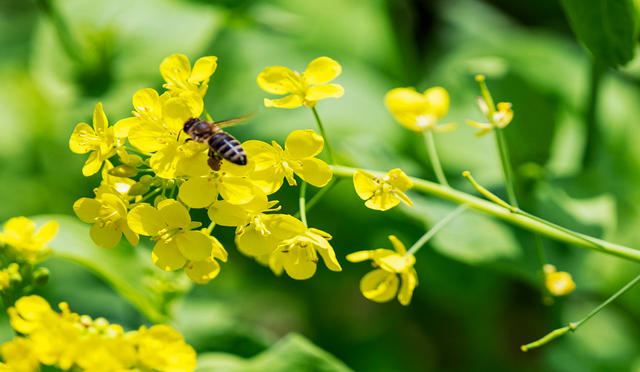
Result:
{"points": [[228, 147]]}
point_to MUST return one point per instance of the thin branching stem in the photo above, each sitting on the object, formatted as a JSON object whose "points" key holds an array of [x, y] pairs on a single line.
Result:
{"points": [[435, 228], [433, 157], [573, 326], [330, 155], [302, 201], [525, 221]]}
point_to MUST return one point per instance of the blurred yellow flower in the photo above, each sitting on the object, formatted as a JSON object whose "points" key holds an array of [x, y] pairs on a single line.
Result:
{"points": [[419, 111], [298, 254], [176, 71], [108, 214], [271, 164], [202, 272], [20, 234], [501, 118], [70, 341], [558, 283], [382, 193], [99, 140], [302, 89], [381, 284]]}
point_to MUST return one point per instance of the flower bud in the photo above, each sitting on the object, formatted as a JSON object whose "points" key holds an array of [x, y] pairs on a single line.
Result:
{"points": [[138, 189], [123, 171], [41, 276]]}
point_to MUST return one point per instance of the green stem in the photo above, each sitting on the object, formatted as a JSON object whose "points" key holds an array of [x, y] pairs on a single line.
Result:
{"points": [[525, 221], [573, 326], [210, 227], [324, 135], [152, 193], [435, 228], [542, 260], [302, 200], [206, 115], [319, 195], [433, 157], [506, 166]]}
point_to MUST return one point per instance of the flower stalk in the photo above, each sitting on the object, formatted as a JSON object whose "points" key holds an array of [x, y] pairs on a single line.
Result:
{"points": [[433, 157], [330, 155], [435, 228], [573, 326], [522, 219]]}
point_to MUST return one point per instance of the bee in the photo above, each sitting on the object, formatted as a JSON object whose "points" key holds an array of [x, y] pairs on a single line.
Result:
{"points": [[222, 145]]}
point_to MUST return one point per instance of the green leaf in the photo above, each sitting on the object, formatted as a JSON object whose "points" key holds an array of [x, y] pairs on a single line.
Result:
{"points": [[124, 268], [607, 28], [291, 353], [471, 237]]}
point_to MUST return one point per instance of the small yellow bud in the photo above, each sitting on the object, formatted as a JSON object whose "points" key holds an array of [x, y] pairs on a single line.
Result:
{"points": [[123, 171], [41, 276], [480, 78], [138, 189], [558, 283]]}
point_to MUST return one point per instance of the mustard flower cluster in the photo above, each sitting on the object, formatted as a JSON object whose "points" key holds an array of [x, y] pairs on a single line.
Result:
{"points": [[73, 342], [21, 248], [153, 174]]}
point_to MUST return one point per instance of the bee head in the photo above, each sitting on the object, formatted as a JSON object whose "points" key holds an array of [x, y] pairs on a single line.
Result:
{"points": [[189, 123]]}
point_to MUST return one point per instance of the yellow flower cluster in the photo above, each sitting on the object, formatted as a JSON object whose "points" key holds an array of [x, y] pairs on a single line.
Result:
{"points": [[23, 242], [153, 174], [73, 342]]}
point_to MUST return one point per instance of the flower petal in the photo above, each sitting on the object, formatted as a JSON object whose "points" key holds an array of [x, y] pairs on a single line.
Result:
{"points": [[203, 271], [147, 102], [322, 70], [145, 220], [364, 184], [359, 256], [237, 190], [397, 245], [382, 201], [167, 256], [203, 69], [100, 122], [379, 285], [399, 180], [438, 99], [83, 139], [279, 80], [314, 171], [93, 164], [319, 92], [87, 209], [261, 154], [409, 283], [174, 214], [174, 68], [407, 105], [194, 245], [303, 144], [198, 192], [47, 232], [226, 214], [297, 263], [122, 127], [105, 236], [289, 102]]}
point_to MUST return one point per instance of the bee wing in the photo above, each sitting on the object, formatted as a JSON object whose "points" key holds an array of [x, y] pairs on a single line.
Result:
{"points": [[234, 121]]}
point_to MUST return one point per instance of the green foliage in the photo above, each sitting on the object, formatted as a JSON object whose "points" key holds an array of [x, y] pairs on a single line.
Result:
{"points": [[608, 28], [127, 270], [291, 353]]}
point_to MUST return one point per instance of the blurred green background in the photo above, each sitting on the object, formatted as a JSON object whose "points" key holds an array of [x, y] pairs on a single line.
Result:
{"points": [[478, 298]]}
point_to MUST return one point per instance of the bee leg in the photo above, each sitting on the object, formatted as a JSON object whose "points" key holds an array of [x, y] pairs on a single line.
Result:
{"points": [[214, 160]]}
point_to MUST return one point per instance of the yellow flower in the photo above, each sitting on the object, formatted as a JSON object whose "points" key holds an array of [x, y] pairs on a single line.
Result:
{"points": [[501, 118], [99, 140], [70, 341], [270, 164], [382, 193], [171, 227], [419, 112], [201, 192], [19, 233], [257, 234], [298, 255], [108, 214], [302, 89], [176, 71], [156, 128], [202, 272], [381, 284], [558, 283]]}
